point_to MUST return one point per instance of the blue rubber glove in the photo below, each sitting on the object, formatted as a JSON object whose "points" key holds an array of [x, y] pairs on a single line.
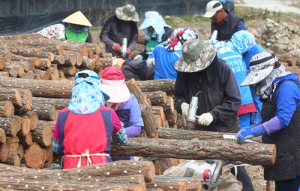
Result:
{"points": [[249, 134], [247, 128]]}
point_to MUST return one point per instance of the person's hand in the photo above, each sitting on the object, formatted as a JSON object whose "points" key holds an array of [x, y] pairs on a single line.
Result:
{"points": [[150, 62], [138, 57], [246, 134], [128, 52], [185, 109], [245, 129], [205, 119], [116, 47]]}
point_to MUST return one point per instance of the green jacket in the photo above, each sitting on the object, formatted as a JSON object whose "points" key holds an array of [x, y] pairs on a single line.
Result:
{"points": [[79, 37]]}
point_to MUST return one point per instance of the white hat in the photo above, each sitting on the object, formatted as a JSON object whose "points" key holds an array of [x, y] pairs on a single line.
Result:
{"points": [[211, 8], [77, 18]]}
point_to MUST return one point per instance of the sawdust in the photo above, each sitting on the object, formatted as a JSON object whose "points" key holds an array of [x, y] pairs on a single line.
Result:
{"points": [[256, 174]]}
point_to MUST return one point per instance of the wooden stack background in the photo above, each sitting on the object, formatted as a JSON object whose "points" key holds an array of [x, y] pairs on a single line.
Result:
{"points": [[36, 79]]}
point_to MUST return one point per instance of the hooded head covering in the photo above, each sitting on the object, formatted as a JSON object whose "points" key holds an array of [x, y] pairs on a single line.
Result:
{"points": [[87, 96], [221, 47], [127, 13], [263, 74], [178, 37], [54, 31], [197, 55], [152, 18], [243, 41]]}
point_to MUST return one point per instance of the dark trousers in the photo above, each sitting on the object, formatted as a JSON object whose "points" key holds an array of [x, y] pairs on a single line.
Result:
{"points": [[244, 178], [290, 184]]}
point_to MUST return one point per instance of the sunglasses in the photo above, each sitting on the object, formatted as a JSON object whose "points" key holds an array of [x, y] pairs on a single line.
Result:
{"points": [[215, 15]]}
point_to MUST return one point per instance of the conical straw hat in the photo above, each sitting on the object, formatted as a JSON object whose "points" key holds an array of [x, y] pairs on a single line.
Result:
{"points": [[77, 18]]}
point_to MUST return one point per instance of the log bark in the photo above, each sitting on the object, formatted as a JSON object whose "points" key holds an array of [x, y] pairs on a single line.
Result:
{"points": [[31, 60], [141, 37], [85, 62], [158, 120], [61, 74], [26, 141], [6, 109], [2, 136], [165, 85], [168, 184], [250, 153], [106, 62], [34, 121], [287, 57], [169, 106], [27, 66], [181, 122], [43, 133], [172, 118], [49, 156], [160, 111], [57, 102], [162, 164], [7, 55], [13, 143], [58, 89], [54, 75], [28, 75], [11, 125], [44, 111], [33, 52], [59, 59], [150, 124], [14, 70], [4, 151], [104, 171], [158, 98], [35, 156], [70, 59], [25, 129], [15, 156], [26, 101], [193, 184], [41, 75], [69, 70], [42, 63], [78, 57], [30, 36]]}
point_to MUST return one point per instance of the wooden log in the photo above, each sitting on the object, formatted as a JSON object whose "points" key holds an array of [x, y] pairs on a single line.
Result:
{"points": [[26, 99], [4, 74], [32, 60], [7, 55], [27, 66], [55, 49], [58, 103], [2, 136], [35, 156], [42, 63], [41, 75], [12, 95], [28, 75], [61, 74], [14, 70], [169, 185], [59, 89], [69, 70], [193, 184], [15, 157], [106, 62], [49, 156], [172, 118], [25, 129], [250, 153], [26, 140], [165, 85], [11, 125], [34, 120], [160, 111], [4, 151], [44, 111], [181, 122], [169, 106], [70, 59], [13, 143], [30, 36], [158, 98], [141, 37], [59, 59], [54, 75], [162, 164], [91, 53], [2, 63], [33, 52], [78, 57], [150, 124], [85, 62], [287, 57], [158, 120], [43, 133], [173, 127], [6, 109]]}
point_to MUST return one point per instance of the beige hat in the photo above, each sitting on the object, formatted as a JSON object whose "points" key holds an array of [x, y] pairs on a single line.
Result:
{"points": [[78, 18], [127, 13]]}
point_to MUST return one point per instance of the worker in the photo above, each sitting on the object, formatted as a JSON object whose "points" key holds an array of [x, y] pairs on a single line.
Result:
{"points": [[156, 31], [119, 26], [245, 44], [56, 31], [234, 59], [123, 103], [280, 92], [83, 130], [200, 70], [77, 28], [224, 22], [166, 54]]}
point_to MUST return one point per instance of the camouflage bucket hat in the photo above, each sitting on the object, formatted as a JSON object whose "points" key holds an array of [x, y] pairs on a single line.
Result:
{"points": [[127, 13], [196, 56]]}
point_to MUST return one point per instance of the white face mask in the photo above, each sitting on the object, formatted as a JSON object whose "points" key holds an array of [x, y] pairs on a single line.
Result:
{"points": [[114, 106]]}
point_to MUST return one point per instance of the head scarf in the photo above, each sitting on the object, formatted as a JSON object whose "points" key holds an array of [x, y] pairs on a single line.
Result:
{"points": [[243, 41], [54, 31], [87, 96], [178, 37], [152, 18], [221, 48], [79, 29]]}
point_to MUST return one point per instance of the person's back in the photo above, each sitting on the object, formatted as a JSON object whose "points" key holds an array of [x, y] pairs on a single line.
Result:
{"points": [[250, 53]]}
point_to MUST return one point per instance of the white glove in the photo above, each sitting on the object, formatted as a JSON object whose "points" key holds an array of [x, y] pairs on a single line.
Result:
{"points": [[150, 62], [138, 57], [205, 119], [185, 109]]}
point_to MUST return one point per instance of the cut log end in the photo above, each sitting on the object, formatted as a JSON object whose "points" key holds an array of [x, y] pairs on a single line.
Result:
{"points": [[18, 96], [34, 121], [47, 133], [4, 151], [35, 156], [2, 136], [25, 126], [7, 109]]}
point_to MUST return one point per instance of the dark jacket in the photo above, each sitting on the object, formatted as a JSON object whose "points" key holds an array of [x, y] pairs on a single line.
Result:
{"points": [[138, 70], [287, 141], [220, 95], [165, 36], [228, 28], [114, 30]]}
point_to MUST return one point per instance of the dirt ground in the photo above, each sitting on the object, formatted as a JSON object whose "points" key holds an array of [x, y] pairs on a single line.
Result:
{"points": [[256, 174]]}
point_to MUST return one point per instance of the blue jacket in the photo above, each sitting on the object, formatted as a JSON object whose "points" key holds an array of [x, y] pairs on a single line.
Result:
{"points": [[253, 51], [238, 66], [287, 98], [164, 62]]}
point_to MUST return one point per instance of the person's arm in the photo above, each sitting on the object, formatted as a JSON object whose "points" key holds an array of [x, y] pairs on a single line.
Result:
{"points": [[135, 119], [134, 37], [241, 26], [119, 134], [105, 31], [232, 97], [89, 38], [180, 85], [55, 140]]}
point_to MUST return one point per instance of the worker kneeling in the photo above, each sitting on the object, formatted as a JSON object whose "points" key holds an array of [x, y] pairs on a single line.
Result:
{"points": [[83, 130]]}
